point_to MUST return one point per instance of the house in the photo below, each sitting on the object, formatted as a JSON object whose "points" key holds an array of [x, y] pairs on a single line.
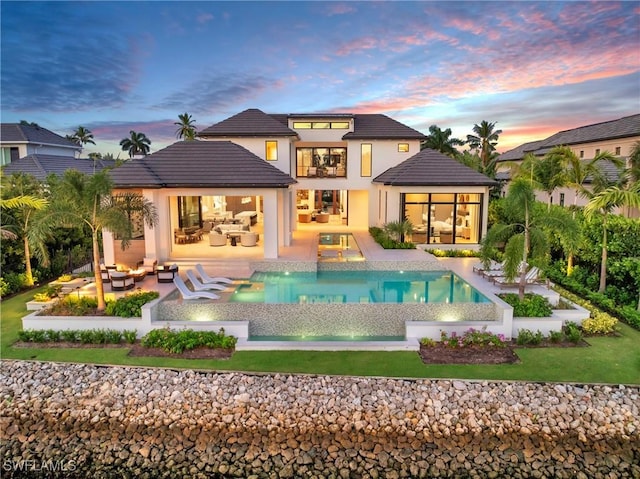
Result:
{"points": [[18, 140], [276, 173], [39, 152], [617, 137]]}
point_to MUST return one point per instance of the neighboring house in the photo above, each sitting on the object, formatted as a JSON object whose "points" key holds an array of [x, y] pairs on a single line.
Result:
{"points": [[39, 152], [42, 166], [276, 171], [616, 137], [18, 141]]}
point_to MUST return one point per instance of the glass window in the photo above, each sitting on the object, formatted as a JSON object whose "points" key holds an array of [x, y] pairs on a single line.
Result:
{"points": [[581, 153], [302, 125], [561, 199], [443, 218], [597, 151], [340, 125], [320, 125], [403, 147], [617, 151], [321, 162], [271, 150], [366, 165]]}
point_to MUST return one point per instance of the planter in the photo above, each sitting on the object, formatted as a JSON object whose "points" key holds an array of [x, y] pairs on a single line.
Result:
{"points": [[38, 305]]}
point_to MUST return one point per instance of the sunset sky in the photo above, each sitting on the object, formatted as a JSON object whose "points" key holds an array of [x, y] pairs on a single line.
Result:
{"points": [[535, 68]]}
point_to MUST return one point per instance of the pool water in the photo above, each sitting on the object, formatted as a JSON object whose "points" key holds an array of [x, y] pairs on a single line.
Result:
{"points": [[338, 247], [325, 287]]}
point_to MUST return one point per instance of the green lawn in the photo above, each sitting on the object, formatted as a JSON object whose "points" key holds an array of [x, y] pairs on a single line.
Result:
{"points": [[614, 360]]}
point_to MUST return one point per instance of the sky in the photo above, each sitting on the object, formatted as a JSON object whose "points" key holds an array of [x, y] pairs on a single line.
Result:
{"points": [[533, 68]]}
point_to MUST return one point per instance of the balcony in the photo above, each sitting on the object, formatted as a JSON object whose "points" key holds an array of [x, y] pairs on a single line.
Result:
{"points": [[322, 172]]}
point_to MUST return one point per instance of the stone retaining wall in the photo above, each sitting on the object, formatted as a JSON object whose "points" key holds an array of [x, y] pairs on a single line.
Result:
{"points": [[89, 421]]}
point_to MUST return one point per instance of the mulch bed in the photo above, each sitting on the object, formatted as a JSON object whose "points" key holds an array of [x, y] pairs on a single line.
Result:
{"points": [[198, 353], [442, 354]]}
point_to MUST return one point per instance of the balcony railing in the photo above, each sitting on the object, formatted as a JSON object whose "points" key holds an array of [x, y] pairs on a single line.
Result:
{"points": [[322, 172]]}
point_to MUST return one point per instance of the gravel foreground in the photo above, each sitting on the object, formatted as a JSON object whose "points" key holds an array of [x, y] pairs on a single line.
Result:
{"points": [[68, 421]]}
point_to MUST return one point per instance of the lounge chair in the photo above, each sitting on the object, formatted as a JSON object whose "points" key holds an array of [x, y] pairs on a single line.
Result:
{"points": [[198, 286], [493, 266], [206, 279], [188, 294], [532, 277]]}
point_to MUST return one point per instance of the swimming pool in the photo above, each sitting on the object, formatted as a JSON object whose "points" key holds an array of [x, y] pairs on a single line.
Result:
{"points": [[338, 247], [327, 287]]}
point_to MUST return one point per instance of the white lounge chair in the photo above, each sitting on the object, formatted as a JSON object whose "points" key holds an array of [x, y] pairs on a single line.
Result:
{"points": [[493, 266], [532, 277], [206, 279], [198, 286], [188, 294]]}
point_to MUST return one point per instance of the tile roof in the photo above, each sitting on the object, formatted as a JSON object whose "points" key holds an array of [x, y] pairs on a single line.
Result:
{"points": [[209, 164], [252, 122], [625, 127], [620, 128], [519, 152], [17, 133], [381, 127], [432, 168], [42, 166]]}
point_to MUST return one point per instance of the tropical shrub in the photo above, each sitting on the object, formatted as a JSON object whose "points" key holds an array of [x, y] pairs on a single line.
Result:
{"points": [[472, 337], [453, 253], [179, 341], [572, 332], [71, 306], [526, 337], [84, 336], [599, 323], [130, 305], [386, 241], [532, 306]]}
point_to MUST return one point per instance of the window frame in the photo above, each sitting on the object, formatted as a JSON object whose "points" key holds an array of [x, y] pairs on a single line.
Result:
{"points": [[267, 143], [366, 160], [403, 147]]}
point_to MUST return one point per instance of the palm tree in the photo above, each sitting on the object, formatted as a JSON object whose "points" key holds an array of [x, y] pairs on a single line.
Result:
{"points": [[441, 141], [484, 141], [24, 199], [525, 239], [186, 128], [81, 136], [136, 144], [549, 172], [78, 198], [605, 201]]}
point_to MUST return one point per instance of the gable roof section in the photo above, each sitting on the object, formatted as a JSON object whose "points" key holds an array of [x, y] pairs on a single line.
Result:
{"points": [[209, 164], [432, 168], [381, 127], [42, 166], [251, 123], [17, 133], [256, 123]]}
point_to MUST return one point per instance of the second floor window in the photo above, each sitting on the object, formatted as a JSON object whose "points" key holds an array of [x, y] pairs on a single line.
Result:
{"points": [[366, 164], [271, 152], [321, 162], [403, 147]]}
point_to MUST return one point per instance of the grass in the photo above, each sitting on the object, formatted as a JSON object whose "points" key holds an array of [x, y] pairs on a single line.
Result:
{"points": [[613, 360]]}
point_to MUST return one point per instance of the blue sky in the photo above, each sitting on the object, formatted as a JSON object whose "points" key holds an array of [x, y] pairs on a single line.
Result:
{"points": [[535, 68]]}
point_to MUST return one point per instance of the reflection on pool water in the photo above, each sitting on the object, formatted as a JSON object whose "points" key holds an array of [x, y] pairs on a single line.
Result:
{"points": [[323, 287]]}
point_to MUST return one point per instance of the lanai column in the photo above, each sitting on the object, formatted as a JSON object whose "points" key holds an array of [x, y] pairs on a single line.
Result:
{"points": [[272, 219]]}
